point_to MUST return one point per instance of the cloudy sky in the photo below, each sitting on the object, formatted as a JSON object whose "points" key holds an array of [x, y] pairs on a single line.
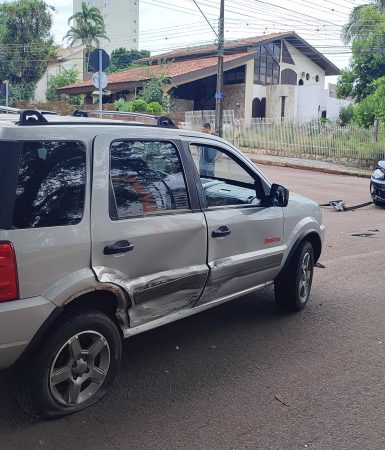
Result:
{"points": [[168, 24]]}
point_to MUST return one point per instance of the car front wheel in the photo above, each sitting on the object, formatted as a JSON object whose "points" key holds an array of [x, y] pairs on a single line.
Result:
{"points": [[292, 287], [73, 368]]}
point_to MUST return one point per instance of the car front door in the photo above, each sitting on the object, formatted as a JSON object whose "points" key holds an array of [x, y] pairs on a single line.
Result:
{"points": [[245, 237], [146, 235]]}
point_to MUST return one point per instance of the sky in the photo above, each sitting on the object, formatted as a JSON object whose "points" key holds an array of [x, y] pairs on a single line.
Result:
{"points": [[169, 24]]}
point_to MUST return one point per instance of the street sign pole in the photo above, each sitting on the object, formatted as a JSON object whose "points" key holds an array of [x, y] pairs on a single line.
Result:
{"points": [[100, 78], [219, 93]]}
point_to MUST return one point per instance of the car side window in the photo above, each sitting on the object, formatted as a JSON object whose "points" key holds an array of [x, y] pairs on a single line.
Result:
{"points": [[51, 184], [146, 177], [225, 182]]}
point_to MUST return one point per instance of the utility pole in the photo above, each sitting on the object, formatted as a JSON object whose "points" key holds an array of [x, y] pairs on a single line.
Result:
{"points": [[100, 80], [221, 53]]}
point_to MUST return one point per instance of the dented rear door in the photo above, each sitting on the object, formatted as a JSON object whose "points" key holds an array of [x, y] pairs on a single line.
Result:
{"points": [[147, 237]]}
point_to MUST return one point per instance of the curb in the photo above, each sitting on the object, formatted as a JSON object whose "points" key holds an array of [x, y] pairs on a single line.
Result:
{"points": [[311, 168]]}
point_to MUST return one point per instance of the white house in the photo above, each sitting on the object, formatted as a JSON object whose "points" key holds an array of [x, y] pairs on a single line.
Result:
{"points": [[278, 76], [67, 58]]}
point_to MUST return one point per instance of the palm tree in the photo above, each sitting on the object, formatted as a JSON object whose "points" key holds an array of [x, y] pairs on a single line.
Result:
{"points": [[88, 28], [355, 28]]}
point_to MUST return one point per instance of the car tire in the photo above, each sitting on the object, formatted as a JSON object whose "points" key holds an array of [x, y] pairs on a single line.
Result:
{"points": [[84, 350], [292, 287]]}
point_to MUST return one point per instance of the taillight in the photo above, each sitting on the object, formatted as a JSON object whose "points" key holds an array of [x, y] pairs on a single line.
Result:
{"points": [[9, 289]]}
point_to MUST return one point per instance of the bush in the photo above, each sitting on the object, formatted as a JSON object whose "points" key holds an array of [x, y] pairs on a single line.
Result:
{"points": [[138, 105], [154, 108], [347, 114], [122, 105]]}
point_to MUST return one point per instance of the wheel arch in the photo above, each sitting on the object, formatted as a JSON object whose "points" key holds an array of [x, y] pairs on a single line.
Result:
{"points": [[106, 298], [315, 241]]}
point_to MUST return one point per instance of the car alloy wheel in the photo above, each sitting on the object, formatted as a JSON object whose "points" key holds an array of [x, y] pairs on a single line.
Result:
{"points": [[79, 368], [305, 278]]}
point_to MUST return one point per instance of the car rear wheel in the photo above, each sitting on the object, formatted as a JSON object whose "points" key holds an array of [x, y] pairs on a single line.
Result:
{"points": [[74, 367], [292, 287]]}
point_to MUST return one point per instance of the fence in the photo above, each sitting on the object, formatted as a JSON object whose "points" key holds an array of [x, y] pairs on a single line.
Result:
{"points": [[313, 139], [195, 119], [316, 138]]}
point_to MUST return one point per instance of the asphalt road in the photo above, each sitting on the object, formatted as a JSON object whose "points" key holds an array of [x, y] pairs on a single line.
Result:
{"points": [[211, 381]]}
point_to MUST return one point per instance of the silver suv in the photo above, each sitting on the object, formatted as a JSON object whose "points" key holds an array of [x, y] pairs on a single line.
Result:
{"points": [[111, 228]]}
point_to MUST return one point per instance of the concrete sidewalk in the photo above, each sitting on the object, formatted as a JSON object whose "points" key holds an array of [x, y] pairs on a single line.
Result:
{"points": [[309, 164]]}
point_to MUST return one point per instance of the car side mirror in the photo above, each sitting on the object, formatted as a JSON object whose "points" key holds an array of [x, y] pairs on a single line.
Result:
{"points": [[279, 195]]}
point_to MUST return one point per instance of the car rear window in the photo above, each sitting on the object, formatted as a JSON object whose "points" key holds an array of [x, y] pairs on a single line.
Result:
{"points": [[42, 183]]}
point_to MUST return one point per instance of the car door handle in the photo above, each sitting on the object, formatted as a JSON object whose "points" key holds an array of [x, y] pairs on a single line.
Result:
{"points": [[221, 232], [118, 247]]}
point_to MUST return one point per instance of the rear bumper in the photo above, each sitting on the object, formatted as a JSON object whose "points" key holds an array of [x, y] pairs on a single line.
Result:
{"points": [[19, 322]]}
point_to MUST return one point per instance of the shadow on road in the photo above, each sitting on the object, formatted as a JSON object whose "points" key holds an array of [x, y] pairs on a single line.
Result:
{"points": [[178, 363]]}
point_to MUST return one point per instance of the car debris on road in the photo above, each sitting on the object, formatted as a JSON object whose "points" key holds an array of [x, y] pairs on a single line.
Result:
{"points": [[339, 205]]}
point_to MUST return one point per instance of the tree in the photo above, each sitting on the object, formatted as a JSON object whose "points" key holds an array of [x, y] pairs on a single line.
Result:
{"points": [[154, 89], [368, 57], [371, 107], [64, 78], [123, 59], [88, 28], [356, 26], [26, 45]]}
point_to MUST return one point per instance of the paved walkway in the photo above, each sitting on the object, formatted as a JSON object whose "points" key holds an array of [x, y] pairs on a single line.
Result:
{"points": [[309, 164]]}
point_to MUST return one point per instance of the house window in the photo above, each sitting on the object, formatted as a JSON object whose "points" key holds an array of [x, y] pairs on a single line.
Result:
{"points": [[283, 107], [266, 66], [259, 108], [235, 76], [286, 56], [288, 76]]}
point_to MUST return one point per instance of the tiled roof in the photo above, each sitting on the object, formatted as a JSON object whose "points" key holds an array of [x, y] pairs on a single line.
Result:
{"points": [[238, 45], [173, 70], [213, 48]]}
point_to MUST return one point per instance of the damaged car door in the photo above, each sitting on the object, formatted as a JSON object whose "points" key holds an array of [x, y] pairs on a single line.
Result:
{"points": [[150, 240]]}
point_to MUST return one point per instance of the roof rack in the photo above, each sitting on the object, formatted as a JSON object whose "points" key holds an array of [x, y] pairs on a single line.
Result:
{"points": [[31, 117], [28, 116], [161, 121]]}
